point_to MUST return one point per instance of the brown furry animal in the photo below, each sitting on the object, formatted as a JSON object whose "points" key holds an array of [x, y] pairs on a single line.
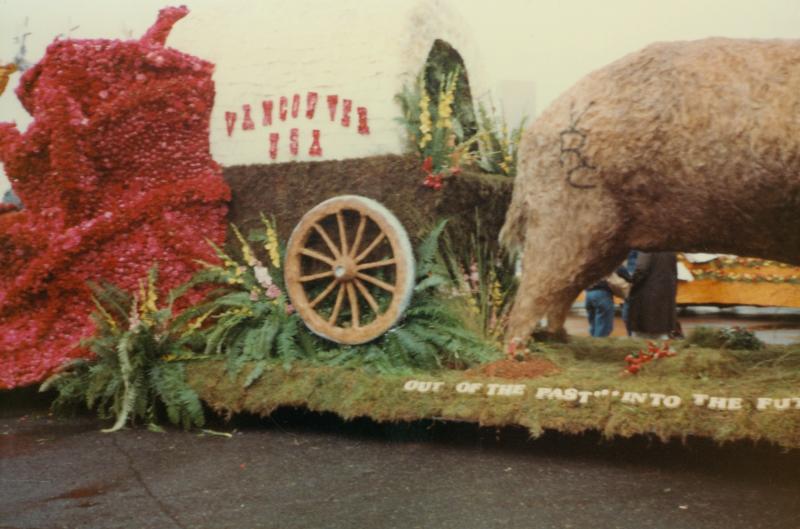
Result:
{"points": [[687, 146]]}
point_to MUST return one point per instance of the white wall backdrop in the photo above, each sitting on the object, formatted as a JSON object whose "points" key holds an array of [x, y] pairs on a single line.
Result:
{"points": [[526, 52]]}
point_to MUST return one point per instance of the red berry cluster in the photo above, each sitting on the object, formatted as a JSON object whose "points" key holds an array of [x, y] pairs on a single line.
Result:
{"points": [[635, 361], [115, 174], [435, 180]]}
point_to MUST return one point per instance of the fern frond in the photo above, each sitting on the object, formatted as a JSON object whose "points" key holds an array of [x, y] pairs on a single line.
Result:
{"points": [[428, 250]]}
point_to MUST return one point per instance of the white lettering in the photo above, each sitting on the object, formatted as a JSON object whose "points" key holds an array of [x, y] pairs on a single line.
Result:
{"points": [[632, 397], [468, 387], [570, 394], [734, 403], [422, 386]]}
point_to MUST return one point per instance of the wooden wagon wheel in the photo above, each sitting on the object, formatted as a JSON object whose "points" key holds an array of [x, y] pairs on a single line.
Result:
{"points": [[349, 269]]}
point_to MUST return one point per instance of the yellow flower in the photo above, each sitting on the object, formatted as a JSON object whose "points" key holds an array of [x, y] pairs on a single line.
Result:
{"points": [[247, 252], [425, 123], [271, 242], [445, 110], [272, 250], [230, 263], [497, 295], [144, 305], [472, 305], [193, 326], [152, 294], [106, 316], [446, 98]]}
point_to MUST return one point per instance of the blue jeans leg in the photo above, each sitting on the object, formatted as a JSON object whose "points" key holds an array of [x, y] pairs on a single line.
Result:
{"points": [[626, 309], [600, 311]]}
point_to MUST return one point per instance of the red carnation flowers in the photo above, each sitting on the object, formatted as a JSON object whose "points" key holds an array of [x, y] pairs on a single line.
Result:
{"points": [[115, 174]]}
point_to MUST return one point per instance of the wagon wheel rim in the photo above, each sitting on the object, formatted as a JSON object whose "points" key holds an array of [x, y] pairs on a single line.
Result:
{"points": [[355, 284]]}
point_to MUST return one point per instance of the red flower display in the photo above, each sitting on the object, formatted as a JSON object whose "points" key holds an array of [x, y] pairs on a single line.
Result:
{"points": [[115, 174], [635, 361]]}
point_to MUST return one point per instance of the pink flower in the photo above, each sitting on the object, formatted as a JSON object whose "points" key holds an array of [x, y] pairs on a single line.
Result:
{"points": [[273, 291]]}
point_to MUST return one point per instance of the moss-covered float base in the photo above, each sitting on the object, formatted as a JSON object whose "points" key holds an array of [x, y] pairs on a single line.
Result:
{"points": [[586, 365]]}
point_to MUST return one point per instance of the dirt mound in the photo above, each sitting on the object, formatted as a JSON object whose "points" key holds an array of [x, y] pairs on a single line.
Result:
{"points": [[528, 368]]}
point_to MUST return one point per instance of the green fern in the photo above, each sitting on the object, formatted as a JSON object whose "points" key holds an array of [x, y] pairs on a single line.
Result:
{"points": [[251, 324], [432, 334], [132, 377]]}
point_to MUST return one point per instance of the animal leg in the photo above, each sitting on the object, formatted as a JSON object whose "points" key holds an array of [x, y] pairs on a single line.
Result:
{"points": [[552, 277]]}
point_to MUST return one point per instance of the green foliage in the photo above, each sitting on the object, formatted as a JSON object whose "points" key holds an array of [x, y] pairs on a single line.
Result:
{"points": [[741, 338], [727, 338], [499, 147], [251, 318], [135, 374], [705, 337], [433, 121], [254, 325], [484, 279], [438, 115], [432, 335]]}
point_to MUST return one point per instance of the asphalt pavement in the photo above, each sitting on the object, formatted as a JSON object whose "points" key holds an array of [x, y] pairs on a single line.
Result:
{"points": [[302, 470]]}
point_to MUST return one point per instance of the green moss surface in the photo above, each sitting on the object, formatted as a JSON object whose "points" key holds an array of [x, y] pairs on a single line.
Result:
{"points": [[585, 364]]}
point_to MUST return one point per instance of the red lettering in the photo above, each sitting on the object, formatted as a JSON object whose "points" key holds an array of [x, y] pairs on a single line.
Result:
{"points": [[347, 105], [316, 149], [273, 145], [311, 104], [293, 144], [295, 105], [363, 127], [230, 121], [267, 107], [332, 102], [284, 103], [247, 121]]}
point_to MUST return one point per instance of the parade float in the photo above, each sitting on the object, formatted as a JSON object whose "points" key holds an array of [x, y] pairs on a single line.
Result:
{"points": [[360, 273]]}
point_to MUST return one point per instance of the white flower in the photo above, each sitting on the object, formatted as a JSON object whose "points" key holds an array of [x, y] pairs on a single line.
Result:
{"points": [[262, 276]]}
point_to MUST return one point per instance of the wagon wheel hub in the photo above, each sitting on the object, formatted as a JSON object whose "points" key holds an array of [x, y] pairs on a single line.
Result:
{"points": [[345, 270]]}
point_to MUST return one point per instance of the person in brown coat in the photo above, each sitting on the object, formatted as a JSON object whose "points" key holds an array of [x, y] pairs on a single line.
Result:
{"points": [[652, 297]]}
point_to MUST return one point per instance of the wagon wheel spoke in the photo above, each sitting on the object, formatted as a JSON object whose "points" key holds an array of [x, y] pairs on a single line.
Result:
{"points": [[342, 233], [327, 239], [377, 282], [337, 306], [376, 264], [371, 247], [366, 295], [359, 234], [314, 277], [318, 256], [324, 294], [354, 309]]}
